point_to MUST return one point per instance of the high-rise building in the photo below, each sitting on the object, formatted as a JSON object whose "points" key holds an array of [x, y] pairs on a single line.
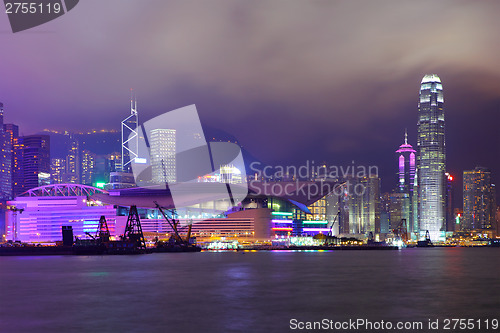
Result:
{"points": [[362, 215], [87, 167], [399, 209], [479, 200], [407, 185], [163, 149], [34, 162], [5, 161], [12, 132], [431, 158], [17, 163], [57, 170], [113, 162], [130, 138], [385, 207], [450, 207], [73, 162]]}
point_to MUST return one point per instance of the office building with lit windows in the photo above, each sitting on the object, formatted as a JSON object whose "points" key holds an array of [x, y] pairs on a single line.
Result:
{"points": [[431, 158], [163, 149], [88, 167], [360, 215], [34, 162], [5, 160], [73, 162], [479, 199], [57, 170]]}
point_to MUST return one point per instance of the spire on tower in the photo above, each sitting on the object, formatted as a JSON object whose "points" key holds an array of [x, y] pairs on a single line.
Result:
{"points": [[406, 136], [133, 102]]}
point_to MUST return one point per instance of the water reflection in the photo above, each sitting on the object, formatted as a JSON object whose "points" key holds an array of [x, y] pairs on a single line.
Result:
{"points": [[261, 291]]}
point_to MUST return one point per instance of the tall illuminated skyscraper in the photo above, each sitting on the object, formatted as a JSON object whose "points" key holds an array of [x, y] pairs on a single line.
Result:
{"points": [[431, 158], [407, 186], [73, 162], [163, 149], [130, 137], [5, 161]]}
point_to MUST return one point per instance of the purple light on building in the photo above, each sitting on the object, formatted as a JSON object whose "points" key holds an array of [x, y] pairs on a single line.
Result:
{"points": [[401, 171], [406, 180]]}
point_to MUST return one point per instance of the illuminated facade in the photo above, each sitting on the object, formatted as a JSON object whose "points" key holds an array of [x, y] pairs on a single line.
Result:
{"points": [[479, 200], [399, 209], [130, 138], [361, 202], [230, 174], [73, 162], [34, 162], [163, 150], [407, 185], [450, 207], [5, 160], [57, 170], [87, 167], [431, 158]]}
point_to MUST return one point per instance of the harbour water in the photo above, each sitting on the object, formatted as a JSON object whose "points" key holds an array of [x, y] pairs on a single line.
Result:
{"points": [[245, 291]]}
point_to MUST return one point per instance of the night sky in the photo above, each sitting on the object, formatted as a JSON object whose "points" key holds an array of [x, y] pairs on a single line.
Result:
{"points": [[292, 80]]}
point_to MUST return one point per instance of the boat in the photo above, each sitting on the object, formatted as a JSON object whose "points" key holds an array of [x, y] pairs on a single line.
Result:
{"points": [[425, 242]]}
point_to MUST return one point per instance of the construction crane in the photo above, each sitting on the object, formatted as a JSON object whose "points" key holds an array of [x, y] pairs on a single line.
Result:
{"points": [[330, 232], [173, 224]]}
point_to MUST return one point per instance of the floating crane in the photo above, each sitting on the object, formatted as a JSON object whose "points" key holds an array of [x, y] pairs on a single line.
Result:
{"points": [[176, 243], [426, 242]]}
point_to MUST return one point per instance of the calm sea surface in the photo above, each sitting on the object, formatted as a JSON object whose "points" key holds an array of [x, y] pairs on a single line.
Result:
{"points": [[245, 291]]}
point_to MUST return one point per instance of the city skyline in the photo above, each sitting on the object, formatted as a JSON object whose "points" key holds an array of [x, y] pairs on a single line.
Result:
{"points": [[278, 165]]}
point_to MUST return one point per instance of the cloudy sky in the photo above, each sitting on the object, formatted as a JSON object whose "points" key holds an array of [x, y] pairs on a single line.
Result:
{"points": [[326, 80]]}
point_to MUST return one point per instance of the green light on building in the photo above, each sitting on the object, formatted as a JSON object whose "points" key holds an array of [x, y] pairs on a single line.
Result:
{"points": [[315, 222], [100, 185], [281, 214]]}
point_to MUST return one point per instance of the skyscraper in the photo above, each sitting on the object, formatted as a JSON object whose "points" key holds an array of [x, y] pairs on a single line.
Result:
{"points": [[431, 158], [5, 161], [88, 167], [73, 162], [130, 137], [57, 170], [407, 185], [163, 151], [479, 200], [450, 207], [35, 162], [363, 207], [12, 135]]}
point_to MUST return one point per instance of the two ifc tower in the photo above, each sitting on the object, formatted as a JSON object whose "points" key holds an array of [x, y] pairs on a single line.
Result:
{"points": [[422, 173]]}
